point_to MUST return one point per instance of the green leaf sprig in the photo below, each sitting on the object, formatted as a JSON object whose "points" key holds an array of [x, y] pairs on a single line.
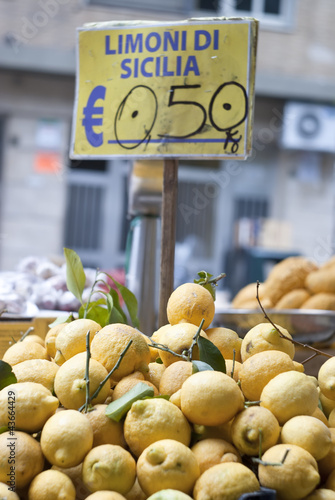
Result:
{"points": [[107, 309], [7, 376], [118, 408], [210, 354], [75, 275], [207, 281]]}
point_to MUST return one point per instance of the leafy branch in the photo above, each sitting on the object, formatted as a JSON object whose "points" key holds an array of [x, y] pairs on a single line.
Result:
{"points": [[107, 309], [207, 281]]}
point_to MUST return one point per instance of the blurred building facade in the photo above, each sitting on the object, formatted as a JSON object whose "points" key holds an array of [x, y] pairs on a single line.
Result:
{"points": [[279, 200]]}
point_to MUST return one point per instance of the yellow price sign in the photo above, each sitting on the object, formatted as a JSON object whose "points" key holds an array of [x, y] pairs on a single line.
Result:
{"points": [[159, 90]]}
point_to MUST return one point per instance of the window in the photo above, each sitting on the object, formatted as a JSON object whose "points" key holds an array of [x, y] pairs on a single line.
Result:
{"points": [[179, 7], [272, 14], [210, 6]]}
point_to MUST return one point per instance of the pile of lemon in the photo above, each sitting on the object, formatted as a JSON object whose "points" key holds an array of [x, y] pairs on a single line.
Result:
{"points": [[213, 436]]}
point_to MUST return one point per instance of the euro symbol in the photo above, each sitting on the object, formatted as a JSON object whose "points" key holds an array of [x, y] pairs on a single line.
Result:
{"points": [[90, 120]]}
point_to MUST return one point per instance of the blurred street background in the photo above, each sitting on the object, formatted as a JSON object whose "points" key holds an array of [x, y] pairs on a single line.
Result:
{"points": [[233, 217]]}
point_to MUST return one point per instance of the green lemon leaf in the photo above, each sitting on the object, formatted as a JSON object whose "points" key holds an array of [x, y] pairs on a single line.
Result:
{"points": [[200, 366], [7, 376], [96, 311], [204, 277], [129, 300], [211, 355], [204, 280], [116, 314], [75, 275], [118, 408], [61, 319], [211, 290]]}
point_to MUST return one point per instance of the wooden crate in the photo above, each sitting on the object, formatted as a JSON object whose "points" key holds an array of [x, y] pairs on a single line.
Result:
{"points": [[14, 328]]}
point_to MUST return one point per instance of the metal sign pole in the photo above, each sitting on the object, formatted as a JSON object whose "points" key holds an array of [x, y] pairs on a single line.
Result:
{"points": [[168, 236]]}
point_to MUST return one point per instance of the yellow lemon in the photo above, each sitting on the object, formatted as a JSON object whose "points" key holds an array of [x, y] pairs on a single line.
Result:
{"points": [[190, 303], [254, 429], [70, 383], [213, 451], [309, 433], [321, 494], [105, 430], [179, 338], [210, 398], [40, 371], [110, 342], [7, 494], [264, 337], [105, 495], [289, 274], [327, 464], [233, 369], [174, 376], [21, 459], [222, 431], [136, 492], [167, 464], [290, 394], [248, 293], [154, 373], [74, 473], [260, 368], [71, 339], [51, 485], [295, 478], [227, 341], [34, 338], [21, 351], [50, 339], [156, 337], [59, 358], [175, 398], [227, 481], [66, 438], [154, 353], [28, 405], [151, 420], [169, 495], [157, 334], [327, 404], [109, 467], [326, 378], [318, 413]]}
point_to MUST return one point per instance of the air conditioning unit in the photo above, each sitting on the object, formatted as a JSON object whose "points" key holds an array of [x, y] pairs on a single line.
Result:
{"points": [[309, 127]]}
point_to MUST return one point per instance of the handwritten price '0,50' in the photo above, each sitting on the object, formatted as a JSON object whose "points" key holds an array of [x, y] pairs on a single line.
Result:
{"points": [[228, 108]]}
